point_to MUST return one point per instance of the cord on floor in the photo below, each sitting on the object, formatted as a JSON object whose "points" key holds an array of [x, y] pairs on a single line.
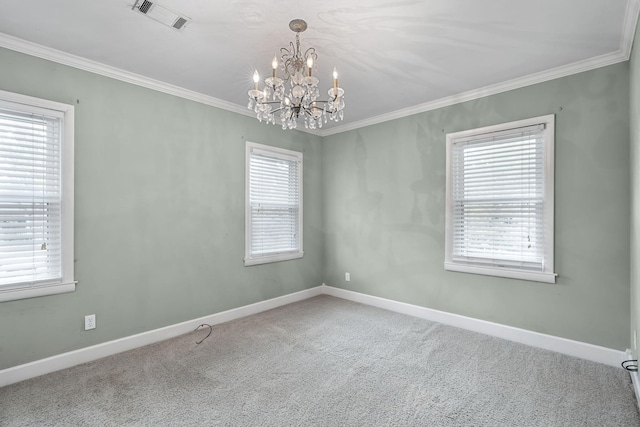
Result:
{"points": [[210, 329]]}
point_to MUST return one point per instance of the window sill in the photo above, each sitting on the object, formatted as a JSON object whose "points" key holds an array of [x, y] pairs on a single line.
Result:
{"points": [[36, 291], [502, 272], [272, 258]]}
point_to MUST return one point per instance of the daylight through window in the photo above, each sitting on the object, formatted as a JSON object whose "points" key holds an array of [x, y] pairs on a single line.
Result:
{"points": [[36, 199], [274, 204], [500, 200]]}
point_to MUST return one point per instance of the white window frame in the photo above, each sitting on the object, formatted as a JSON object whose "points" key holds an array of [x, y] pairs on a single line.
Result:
{"points": [[547, 275], [66, 283], [252, 259]]}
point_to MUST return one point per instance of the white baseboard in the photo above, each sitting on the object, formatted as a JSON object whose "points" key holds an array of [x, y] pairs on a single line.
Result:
{"points": [[635, 379], [579, 349], [582, 350], [66, 360]]}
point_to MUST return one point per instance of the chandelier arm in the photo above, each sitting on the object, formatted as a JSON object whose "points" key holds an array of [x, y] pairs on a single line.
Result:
{"points": [[311, 51], [288, 59], [307, 111], [325, 101], [285, 51]]}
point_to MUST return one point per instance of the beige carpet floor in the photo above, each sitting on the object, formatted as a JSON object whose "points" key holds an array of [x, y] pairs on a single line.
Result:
{"points": [[328, 362]]}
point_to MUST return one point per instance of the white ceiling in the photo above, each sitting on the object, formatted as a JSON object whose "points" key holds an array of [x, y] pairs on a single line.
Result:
{"points": [[394, 56]]}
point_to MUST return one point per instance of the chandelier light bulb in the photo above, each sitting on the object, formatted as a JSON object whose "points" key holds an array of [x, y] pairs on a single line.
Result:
{"points": [[310, 63], [256, 78], [335, 78], [274, 65]]}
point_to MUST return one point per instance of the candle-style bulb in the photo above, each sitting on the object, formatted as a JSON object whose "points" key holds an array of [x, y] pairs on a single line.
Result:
{"points": [[335, 73], [256, 78], [274, 65], [309, 63]]}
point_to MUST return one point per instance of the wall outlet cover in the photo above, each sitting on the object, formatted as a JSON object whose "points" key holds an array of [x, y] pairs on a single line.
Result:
{"points": [[89, 322]]}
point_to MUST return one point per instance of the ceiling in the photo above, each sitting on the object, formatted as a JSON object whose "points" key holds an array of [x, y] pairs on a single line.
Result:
{"points": [[394, 57]]}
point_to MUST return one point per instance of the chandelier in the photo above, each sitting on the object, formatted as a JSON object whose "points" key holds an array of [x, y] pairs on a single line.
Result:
{"points": [[301, 101]]}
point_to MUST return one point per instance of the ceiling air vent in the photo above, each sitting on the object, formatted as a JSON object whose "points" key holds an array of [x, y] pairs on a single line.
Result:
{"points": [[161, 14], [145, 6], [179, 23]]}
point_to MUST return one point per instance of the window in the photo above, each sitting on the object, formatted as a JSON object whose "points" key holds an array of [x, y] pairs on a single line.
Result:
{"points": [[273, 223], [36, 197], [499, 218]]}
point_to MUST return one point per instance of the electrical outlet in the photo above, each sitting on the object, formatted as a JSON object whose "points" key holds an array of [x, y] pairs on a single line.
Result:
{"points": [[347, 277], [89, 322]]}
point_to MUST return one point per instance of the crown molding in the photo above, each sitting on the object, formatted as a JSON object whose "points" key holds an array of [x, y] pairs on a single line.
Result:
{"points": [[621, 55], [60, 57], [520, 82], [64, 58]]}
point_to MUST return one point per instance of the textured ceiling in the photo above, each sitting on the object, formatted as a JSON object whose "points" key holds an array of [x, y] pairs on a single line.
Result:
{"points": [[391, 54]]}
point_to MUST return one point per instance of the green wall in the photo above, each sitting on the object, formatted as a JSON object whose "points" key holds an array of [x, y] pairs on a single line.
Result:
{"points": [[635, 189], [159, 210], [384, 207]]}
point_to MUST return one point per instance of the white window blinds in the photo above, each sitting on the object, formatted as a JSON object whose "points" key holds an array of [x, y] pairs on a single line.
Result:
{"points": [[498, 201], [274, 205], [30, 198]]}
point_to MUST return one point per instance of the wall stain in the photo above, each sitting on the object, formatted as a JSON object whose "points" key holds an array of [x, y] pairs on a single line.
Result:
{"points": [[364, 207]]}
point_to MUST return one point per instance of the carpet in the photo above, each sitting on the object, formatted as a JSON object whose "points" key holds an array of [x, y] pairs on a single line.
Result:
{"points": [[328, 362]]}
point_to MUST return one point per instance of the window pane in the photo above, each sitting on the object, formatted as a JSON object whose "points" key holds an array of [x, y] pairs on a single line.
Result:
{"points": [[30, 198], [498, 198], [274, 203]]}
